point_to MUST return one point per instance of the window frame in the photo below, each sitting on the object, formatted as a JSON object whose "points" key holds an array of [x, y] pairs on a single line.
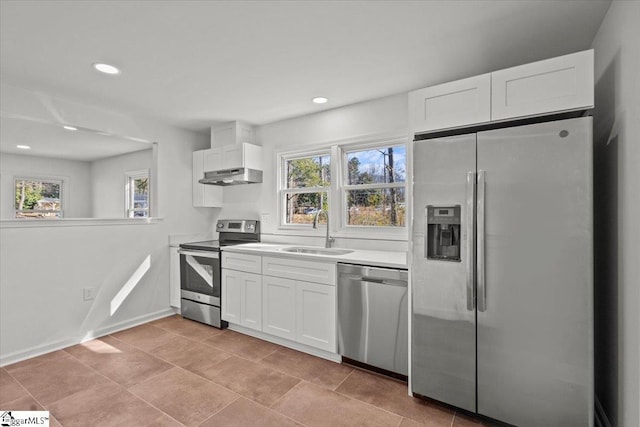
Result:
{"points": [[338, 188], [283, 158], [129, 202], [344, 186], [41, 178]]}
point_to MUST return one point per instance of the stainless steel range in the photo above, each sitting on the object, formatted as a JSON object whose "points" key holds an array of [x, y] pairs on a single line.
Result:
{"points": [[200, 270]]}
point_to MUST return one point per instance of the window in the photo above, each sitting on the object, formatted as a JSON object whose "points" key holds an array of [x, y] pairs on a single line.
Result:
{"points": [[367, 194], [305, 184], [374, 189], [137, 194], [38, 198]]}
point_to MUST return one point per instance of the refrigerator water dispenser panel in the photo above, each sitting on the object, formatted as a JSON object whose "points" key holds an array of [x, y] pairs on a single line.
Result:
{"points": [[443, 233]]}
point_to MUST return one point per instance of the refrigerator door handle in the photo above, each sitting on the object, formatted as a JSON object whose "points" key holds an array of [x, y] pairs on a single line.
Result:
{"points": [[471, 232], [481, 300]]}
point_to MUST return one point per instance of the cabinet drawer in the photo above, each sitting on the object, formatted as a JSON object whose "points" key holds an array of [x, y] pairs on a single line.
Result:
{"points": [[553, 85], [309, 271], [242, 262], [453, 104]]}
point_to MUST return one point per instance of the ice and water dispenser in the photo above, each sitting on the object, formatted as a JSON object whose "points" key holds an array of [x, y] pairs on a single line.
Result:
{"points": [[443, 233]]}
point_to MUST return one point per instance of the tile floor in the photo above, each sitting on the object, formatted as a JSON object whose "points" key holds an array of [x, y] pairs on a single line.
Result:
{"points": [[174, 372]]}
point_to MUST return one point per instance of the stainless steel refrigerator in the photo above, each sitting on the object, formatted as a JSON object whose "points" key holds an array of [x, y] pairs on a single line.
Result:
{"points": [[501, 273]]}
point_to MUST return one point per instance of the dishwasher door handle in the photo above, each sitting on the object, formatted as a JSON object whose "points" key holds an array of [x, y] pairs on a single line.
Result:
{"points": [[398, 283]]}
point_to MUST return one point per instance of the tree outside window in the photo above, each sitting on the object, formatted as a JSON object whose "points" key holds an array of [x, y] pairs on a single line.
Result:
{"points": [[137, 194], [375, 187], [305, 189], [38, 198]]}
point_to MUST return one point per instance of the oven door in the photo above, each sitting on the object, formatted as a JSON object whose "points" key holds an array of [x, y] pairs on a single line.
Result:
{"points": [[200, 276]]}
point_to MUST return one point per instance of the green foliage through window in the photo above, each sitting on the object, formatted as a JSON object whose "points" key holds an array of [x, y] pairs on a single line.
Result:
{"points": [[37, 198], [305, 188]]}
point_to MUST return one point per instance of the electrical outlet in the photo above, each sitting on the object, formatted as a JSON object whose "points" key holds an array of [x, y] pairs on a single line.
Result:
{"points": [[264, 218], [89, 293]]}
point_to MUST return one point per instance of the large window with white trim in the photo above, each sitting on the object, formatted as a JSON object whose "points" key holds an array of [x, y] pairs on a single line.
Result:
{"points": [[367, 192], [305, 187]]}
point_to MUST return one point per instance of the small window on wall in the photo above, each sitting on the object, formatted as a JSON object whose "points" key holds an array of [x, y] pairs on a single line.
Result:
{"points": [[38, 198], [306, 181], [375, 186], [137, 194]]}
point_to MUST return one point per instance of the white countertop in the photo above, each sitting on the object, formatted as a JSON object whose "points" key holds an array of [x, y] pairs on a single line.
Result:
{"points": [[392, 259]]}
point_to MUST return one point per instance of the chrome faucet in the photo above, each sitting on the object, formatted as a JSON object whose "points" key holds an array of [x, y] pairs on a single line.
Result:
{"points": [[328, 239]]}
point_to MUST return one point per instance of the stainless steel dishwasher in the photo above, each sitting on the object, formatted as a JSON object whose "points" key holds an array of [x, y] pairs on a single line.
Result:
{"points": [[372, 316]]}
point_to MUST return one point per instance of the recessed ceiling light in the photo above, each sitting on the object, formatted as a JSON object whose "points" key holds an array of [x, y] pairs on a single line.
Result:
{"points": [[319, 100], [106, 68], [23, 147], [69, 128]]}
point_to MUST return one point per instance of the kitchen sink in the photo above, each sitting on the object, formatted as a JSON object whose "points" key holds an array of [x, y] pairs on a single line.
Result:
{"points": [[317, 251]]}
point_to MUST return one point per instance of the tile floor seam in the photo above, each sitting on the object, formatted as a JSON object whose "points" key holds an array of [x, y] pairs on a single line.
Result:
{"points": [[282, 397], [221, 409], [31, 395], [275, 368], [155, 407], [374, 406], [113, 381], [345, 378]]}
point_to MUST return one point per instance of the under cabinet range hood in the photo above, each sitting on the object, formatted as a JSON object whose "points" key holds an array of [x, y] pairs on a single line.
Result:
{"points": [[233, 176]]}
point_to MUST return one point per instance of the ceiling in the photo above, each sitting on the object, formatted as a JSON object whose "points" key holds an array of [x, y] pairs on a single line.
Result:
{"points": [[52, 140], [197, 63]]}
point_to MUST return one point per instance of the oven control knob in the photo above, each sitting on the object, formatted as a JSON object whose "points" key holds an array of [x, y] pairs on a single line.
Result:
{"points": [[220, 225]]}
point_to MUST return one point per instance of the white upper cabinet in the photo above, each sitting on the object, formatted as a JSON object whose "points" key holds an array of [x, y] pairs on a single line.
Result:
{"points": [[242, 156], [453, 104], [556, 85], [203, 195], [559, 84]]}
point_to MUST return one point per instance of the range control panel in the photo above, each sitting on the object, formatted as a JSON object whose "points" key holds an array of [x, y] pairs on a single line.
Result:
{"points": [[238, 226]]}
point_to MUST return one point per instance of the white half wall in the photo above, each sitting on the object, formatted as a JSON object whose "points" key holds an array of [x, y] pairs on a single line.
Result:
{"points": [[43, 270], [616, 214]]}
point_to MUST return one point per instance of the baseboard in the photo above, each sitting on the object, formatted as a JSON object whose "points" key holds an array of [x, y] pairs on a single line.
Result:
{"points": [[18, 356], [287, 343], [600, 415]]}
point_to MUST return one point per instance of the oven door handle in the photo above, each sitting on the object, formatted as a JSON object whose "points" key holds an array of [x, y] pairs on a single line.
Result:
{"points": [[202, 254]]}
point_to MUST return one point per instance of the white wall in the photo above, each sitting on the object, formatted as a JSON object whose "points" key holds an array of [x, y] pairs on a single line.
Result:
{"points": [[617, 211], [379, 116], [44, 269], [76, 191], [108, 181]]}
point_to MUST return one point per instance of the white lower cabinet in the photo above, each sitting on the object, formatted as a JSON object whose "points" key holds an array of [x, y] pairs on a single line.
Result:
{"points": [[293, 299], [316, 315], [242, 298], [279, 307]]}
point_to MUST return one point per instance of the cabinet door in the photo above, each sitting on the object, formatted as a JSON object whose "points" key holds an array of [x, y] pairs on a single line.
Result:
{"points": [[553, 85], [232, 156], [316, 315], [212, 159], [278, 307], [231, 295], [204, 195], [452, 104], [251, 309], [174, 274]]}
